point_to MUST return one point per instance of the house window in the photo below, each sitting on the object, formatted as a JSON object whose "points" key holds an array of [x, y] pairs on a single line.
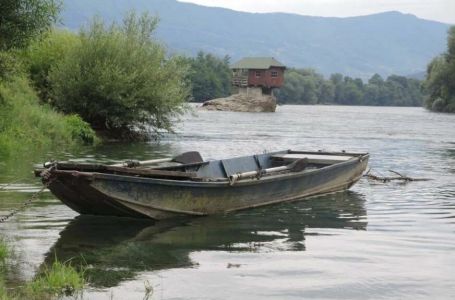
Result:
{"points": [[257, 73], [274, 74]]}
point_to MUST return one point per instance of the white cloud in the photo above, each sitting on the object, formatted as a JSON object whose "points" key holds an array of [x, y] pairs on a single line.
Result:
{"points": [[438, 10]]}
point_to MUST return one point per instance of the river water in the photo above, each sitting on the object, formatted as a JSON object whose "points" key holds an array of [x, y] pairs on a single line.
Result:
{"points": [[376, 241]]}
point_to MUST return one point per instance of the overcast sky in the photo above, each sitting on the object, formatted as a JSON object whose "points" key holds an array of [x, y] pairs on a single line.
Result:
{"points": [[438, 10]]}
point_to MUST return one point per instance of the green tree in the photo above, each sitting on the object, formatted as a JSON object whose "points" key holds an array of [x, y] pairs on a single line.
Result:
{"points": [[306, 86], [210, 77], [23, 20], [327, 92], [300, 86], [20, 22], [440, 80], [120, 80], [45, 53], [293, 89]]}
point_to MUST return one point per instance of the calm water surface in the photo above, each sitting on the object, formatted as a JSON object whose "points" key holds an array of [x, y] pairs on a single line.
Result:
{"points": [[376, 241]]}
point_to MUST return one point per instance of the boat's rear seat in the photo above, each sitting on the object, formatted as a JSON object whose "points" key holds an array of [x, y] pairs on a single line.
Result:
{"points": [[320, 159], [227, 167]]}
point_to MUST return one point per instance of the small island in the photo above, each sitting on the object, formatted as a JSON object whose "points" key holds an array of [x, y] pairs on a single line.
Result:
{"points": [[253, 81]]}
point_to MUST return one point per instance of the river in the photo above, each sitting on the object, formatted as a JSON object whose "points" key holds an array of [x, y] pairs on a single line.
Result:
{"points": [[376, 241]]}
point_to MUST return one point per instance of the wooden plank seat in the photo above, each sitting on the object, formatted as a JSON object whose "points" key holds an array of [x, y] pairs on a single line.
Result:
{"points": [[322, 159]]}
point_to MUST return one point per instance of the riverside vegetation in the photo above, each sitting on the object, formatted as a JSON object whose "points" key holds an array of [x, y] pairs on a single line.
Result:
{"points": [[440, 81], [57, 86], [58, 279], [25, 123]]}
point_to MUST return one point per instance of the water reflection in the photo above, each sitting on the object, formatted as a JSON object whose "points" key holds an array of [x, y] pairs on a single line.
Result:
{"points": [[115, 249]]}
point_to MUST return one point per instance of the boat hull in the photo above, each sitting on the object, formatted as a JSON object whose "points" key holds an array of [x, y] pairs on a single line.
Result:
{"points": [[109, 194]]}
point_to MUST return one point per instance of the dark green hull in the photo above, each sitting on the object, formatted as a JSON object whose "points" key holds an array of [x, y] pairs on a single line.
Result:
{"points": [[118, 195]]}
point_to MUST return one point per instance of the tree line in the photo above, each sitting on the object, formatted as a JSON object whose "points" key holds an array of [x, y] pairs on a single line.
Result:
{"points": [[306, 86], [120, 80]]}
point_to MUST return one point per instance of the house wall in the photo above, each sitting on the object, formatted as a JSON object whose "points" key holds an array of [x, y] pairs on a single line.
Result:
{"points": [[265, 79], [251, 91]]}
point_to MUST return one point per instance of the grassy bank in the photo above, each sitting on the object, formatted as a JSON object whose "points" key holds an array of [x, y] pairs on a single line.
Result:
{"points": [[26, 125], [53, 282]]}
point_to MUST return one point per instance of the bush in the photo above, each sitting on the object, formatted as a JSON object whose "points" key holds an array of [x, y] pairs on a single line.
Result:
{"points": [[42, 54], [24, 20], [9, 65], [119, 78], [26, 125], [440, 80]]}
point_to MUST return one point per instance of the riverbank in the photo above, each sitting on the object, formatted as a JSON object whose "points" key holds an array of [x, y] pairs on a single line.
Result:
{"points": [[52, 282], [28, 125]]}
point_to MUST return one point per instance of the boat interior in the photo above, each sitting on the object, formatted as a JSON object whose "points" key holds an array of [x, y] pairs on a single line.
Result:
{"points": [[196, 169]]}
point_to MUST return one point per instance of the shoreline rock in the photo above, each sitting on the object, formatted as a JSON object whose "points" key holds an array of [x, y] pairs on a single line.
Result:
{"points": [[242, 103]]}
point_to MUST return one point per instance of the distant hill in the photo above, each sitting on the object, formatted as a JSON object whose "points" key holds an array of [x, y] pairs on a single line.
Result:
{"points": [[419, 75], [383, 43]]}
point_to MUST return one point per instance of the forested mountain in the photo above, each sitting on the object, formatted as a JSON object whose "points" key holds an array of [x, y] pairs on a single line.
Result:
{"points": [[385, 43]]}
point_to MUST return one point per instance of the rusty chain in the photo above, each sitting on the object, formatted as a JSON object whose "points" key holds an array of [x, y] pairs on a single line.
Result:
{"points": [[45, 174]]}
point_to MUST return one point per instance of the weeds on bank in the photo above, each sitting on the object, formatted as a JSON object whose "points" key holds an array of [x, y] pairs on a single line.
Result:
{"points": [[27, 125], [60, 279], [55, 281], [4, 251]]}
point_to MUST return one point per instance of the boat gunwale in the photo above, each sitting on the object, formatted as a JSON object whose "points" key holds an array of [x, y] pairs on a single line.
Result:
{"points": [[359, 157]]}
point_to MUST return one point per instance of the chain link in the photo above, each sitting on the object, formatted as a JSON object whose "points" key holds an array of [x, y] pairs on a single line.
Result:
{"points": [[5, 218]]}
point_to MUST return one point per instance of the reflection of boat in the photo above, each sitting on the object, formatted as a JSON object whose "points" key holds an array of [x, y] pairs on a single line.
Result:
{"points": [[115, 249], [202, 187]]}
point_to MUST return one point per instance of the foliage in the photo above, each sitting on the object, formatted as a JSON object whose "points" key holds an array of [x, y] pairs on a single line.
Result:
{"points": [[58, 279], [25, 125], [24, 20], [306, 86], [45, 53], [118, 78], [440, 80], [210, 77], [9, 65], [4, 251]]}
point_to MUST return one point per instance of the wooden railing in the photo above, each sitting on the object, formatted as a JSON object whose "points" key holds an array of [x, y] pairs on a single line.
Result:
{"points": [[240, 80]]}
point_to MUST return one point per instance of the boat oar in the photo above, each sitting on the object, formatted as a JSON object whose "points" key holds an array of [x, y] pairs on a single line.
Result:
{"points": [[295, 166], [190, 157]]}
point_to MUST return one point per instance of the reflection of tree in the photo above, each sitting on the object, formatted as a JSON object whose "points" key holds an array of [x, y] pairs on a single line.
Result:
{"points": [[114, 249]]}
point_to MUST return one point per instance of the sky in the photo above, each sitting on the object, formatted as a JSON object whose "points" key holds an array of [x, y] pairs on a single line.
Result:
{"points": [[437, 10]]}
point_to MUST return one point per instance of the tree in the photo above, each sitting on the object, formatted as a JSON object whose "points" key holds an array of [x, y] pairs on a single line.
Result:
{"points": [[23, 20], [45, 53], [210, 77], [306, 86], [440, 80], [119, 79]]}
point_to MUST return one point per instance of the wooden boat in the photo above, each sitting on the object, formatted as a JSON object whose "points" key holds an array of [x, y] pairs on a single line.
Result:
{"points": [[196, 187]]}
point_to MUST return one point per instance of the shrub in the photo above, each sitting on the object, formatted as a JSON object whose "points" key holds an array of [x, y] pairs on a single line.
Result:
{"points": [[440, 80], [44, 53], [24, 20], [26, 125], [119, 78]]}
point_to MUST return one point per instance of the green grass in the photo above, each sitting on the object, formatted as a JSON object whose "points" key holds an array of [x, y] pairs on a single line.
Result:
{"points": [[26, 125], [4, 251], [54, 281], [60, 279]]}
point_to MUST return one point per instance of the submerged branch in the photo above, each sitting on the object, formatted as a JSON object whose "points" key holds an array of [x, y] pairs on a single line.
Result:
{"points": [[400, 177]]}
